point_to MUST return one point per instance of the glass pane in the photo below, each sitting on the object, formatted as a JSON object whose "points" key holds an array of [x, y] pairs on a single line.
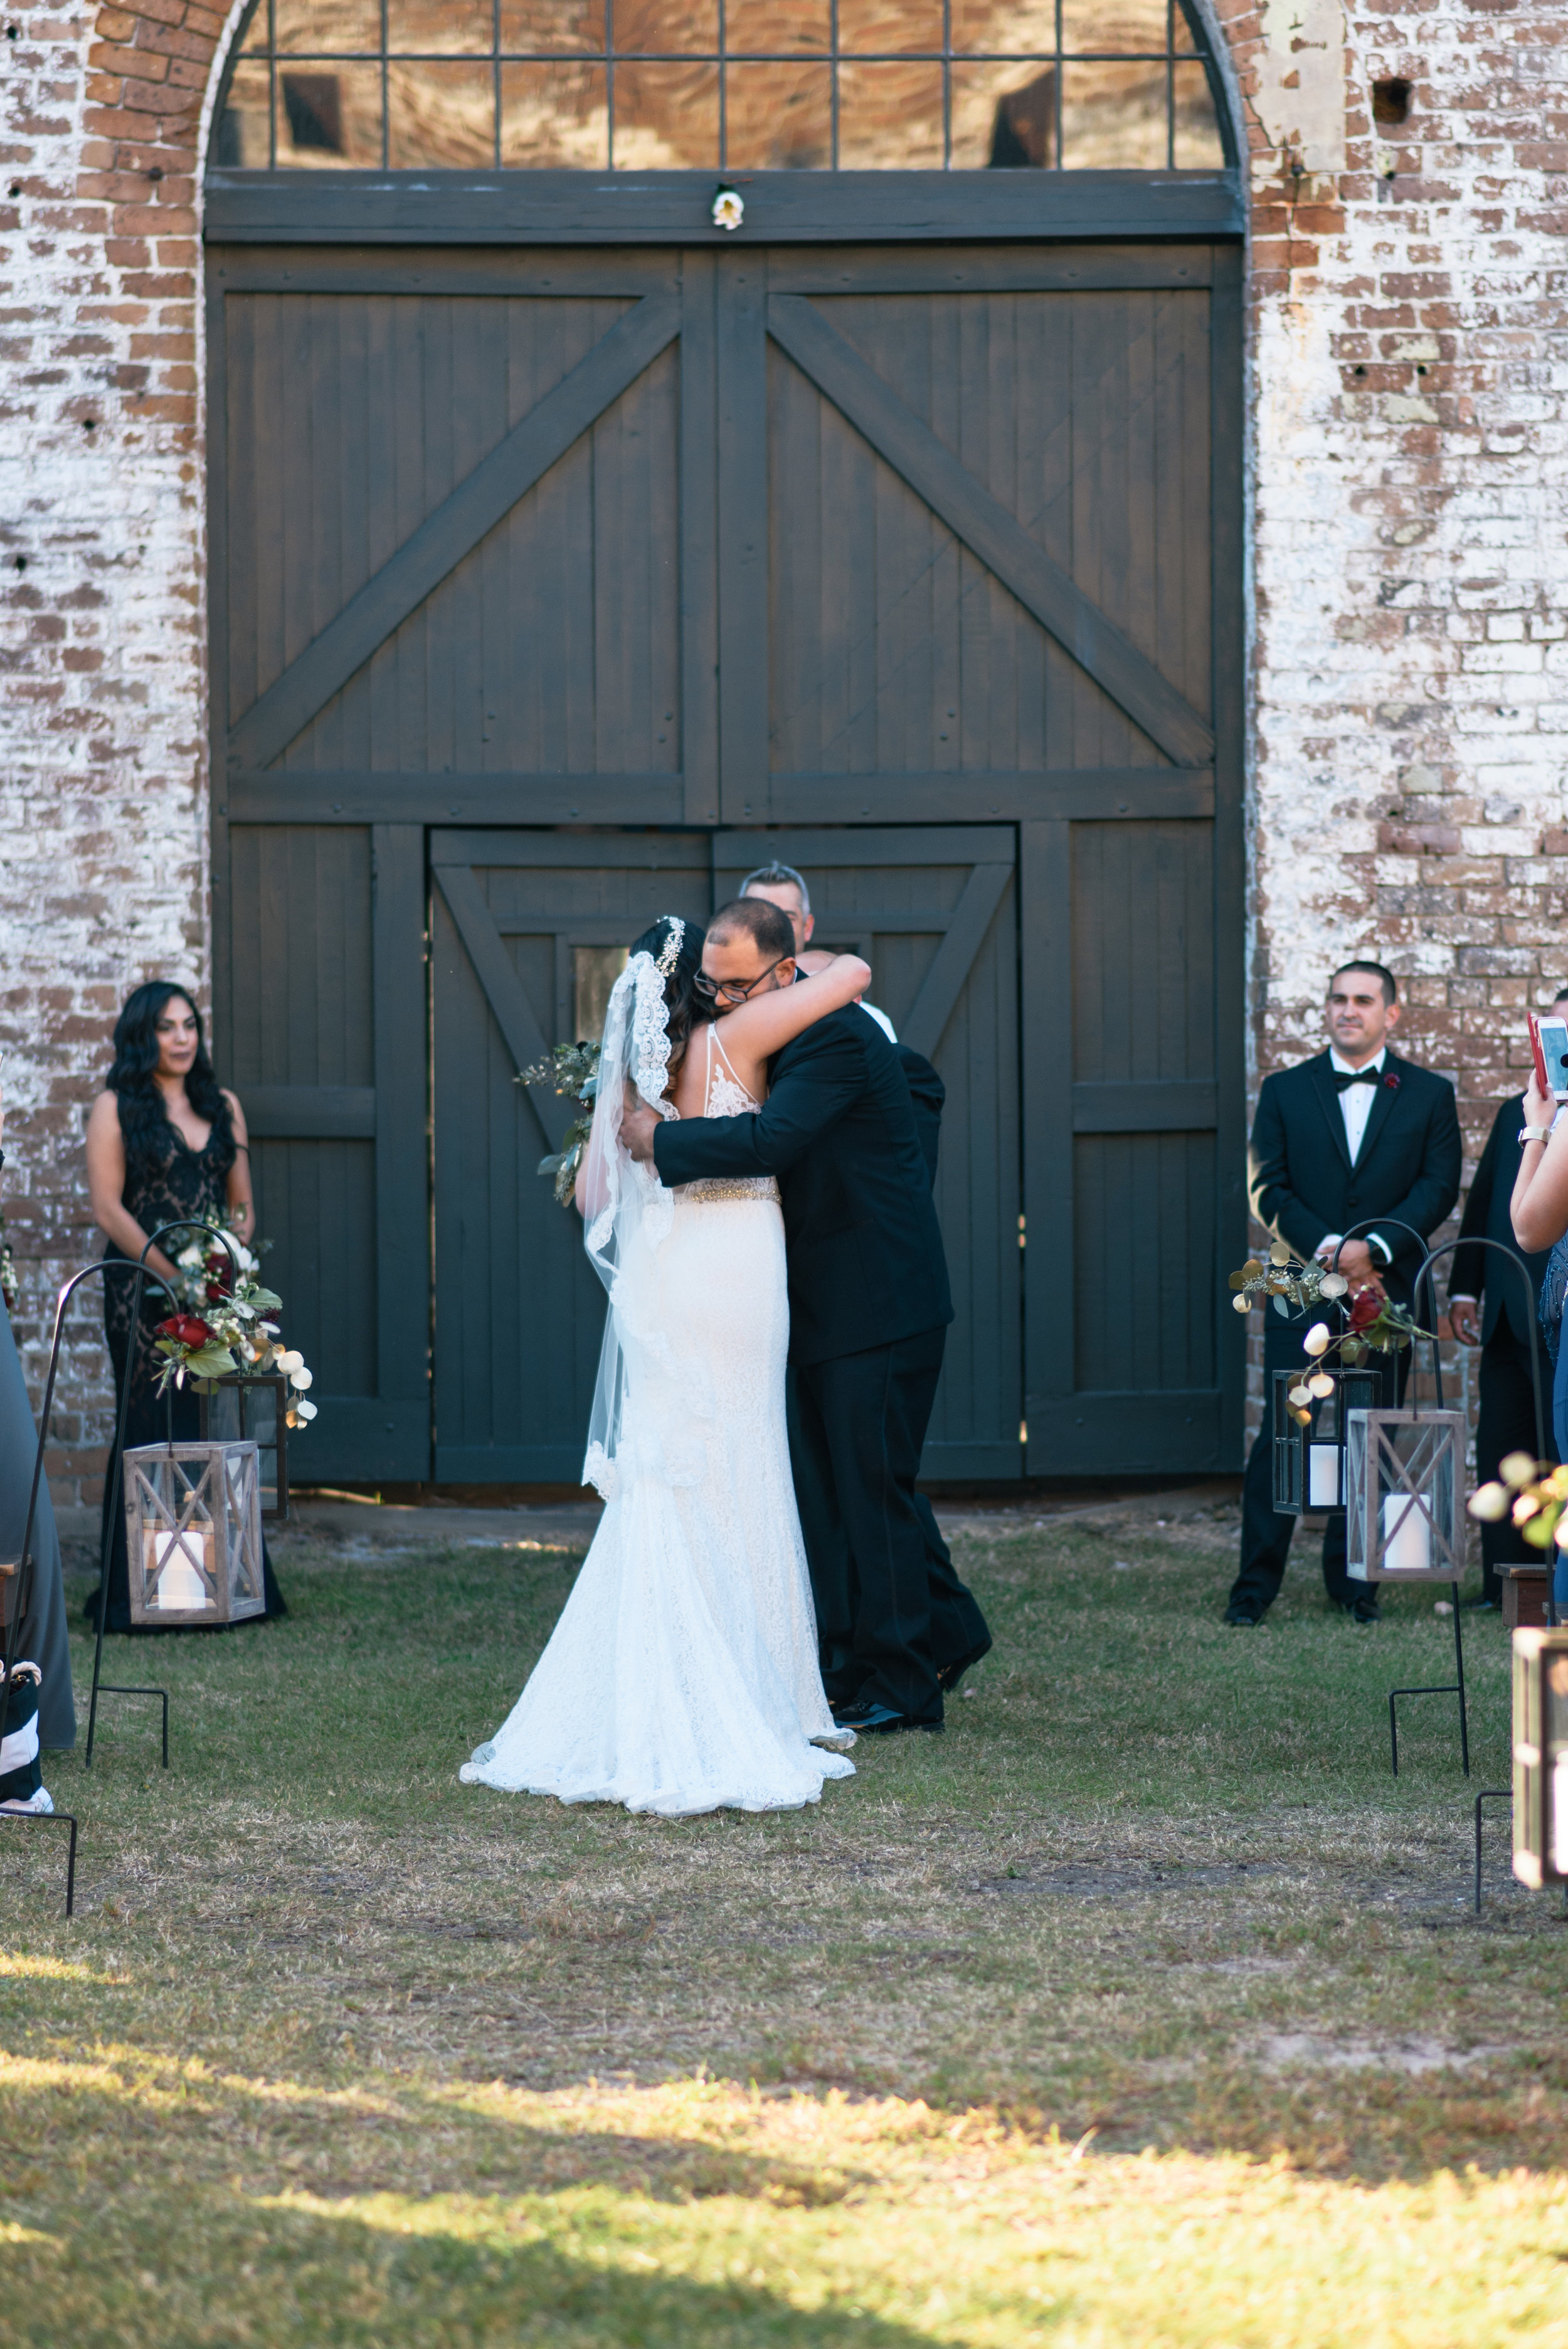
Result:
{"points": [[681, 27], [464, 26], [559, 27], [440, 116], [1026, 30], [239, 142], [666, 117], [778, 117], [884, 25], [594, 970], [254, 38], [1184, 40], [1120, 26], [554, 119], [328, 26], [1197, 143], [1113, 118], [765, 27], [890, 118], [329, 118], [1004, 117]]}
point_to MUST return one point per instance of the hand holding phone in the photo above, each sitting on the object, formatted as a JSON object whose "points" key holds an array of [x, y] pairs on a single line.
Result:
{"points": [[1548, 1044]]}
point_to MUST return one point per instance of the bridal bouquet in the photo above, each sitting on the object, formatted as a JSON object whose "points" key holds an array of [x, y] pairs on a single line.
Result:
{"points": [[226, 1330], [1374, 1323], [572, 1070]]}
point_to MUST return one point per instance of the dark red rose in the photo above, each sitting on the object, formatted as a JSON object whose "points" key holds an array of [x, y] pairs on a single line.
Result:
{"points": [[186, 1329], [1365, 1308], [1392, 1082]]}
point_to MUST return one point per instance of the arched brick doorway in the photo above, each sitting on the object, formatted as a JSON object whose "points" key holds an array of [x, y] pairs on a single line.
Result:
{"points": [[570, 554]]}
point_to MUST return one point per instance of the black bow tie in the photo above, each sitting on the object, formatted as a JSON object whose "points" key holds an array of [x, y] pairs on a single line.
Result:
{"points": [[1357, 1077]]}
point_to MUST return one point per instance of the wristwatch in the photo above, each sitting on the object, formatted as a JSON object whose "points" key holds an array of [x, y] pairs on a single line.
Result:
{"points": [[1533, 1133]]}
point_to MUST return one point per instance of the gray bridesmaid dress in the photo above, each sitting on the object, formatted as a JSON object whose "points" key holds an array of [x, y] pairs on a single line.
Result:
{"points": [[43, 1636]]}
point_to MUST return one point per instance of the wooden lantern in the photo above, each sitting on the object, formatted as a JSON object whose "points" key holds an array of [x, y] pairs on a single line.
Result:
{"points": [[251, 1409], [1540, 1757], [1309, 1457], [193, 1532], [1405, 1495]]}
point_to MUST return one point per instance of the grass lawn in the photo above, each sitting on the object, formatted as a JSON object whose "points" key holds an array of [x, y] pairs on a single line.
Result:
{"points": [[1142, 2008]]}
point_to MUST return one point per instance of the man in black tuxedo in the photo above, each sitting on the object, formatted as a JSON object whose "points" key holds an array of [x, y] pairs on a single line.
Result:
{"points": [[1351, 1134], [1505, 1332], [959, 1634], [869, 1309]]}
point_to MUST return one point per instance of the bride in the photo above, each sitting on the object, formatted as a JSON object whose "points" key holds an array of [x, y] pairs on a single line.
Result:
{"points": [[682, 1676]]}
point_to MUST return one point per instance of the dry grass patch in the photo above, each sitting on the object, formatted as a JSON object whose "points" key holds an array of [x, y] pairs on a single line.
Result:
{"points": [[1144, 2007]]}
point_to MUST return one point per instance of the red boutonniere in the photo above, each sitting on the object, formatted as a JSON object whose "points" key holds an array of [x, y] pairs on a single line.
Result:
{"points": [[1392, 1082]]}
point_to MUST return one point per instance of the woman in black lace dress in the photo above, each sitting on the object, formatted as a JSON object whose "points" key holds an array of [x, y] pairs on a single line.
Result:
{"points": [[165, 1141]]}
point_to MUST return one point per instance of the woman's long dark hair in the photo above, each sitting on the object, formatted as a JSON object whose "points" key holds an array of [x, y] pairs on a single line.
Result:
{"points": [[143, 1121], [685, 1007]]}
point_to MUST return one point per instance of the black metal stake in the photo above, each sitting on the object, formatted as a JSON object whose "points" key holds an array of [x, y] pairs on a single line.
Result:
{"points": [[54, 1819], [1454, 1687], [1487, 1795]]}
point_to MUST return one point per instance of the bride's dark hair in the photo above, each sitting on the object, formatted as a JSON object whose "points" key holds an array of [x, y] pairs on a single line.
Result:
{"points": [[685, 1007], [144, 1121]]}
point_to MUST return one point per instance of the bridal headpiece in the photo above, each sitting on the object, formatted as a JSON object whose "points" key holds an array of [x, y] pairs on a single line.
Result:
{"points": [[670, 952]]}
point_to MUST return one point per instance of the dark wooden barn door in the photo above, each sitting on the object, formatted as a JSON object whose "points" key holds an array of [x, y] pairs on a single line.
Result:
{"points": [[933, 910], [524, 926], [543, 579]]}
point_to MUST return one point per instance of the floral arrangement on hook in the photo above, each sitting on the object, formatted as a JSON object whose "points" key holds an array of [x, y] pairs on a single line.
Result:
{"points": [[1374, 1321], [226, 1330], [1534, 1494]]}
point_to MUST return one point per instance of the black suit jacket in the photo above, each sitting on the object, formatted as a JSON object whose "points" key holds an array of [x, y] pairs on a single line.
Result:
{"points": [[840, 1131], [1477, 1271], [1301, 1183]]}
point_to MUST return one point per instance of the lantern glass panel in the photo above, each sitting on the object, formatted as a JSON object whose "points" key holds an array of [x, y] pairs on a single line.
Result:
{"points": [[1309, 1462], [193, 1532], [1540, 1756], [1405, 1495], [254, 1411]]}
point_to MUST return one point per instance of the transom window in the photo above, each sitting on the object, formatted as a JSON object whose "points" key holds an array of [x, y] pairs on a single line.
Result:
{"points": [[726, 85]]}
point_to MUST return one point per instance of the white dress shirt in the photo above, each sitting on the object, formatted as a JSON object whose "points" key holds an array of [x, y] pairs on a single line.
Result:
{"points": [[1354, 1107]]}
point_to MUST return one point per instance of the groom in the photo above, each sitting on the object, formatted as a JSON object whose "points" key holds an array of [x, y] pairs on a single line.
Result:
{"points": [[869, 1309]]}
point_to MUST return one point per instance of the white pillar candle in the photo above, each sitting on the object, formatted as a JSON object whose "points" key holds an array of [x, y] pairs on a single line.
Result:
{"points": [[1323, 1477], [177, 1559], [1406, 1536]]}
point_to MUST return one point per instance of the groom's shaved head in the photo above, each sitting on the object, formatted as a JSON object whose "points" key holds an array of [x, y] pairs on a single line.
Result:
{"points": [[766, 924]]}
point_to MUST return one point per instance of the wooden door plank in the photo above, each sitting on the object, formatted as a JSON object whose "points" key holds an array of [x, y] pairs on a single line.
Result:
{"points": [[402, 1194], [1176, 1105], [311, 1113], [936, 475], [503, 991], [944, 982], [698, 494], [458, 523], [1045, 930], [743, 699]]}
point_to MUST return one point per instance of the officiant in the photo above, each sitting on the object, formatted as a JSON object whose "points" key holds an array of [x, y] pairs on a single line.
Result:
{"points": [[1354, 1134]]}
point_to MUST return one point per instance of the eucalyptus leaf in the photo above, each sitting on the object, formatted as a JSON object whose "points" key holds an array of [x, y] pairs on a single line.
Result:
{"points": [[1280, 1305]]}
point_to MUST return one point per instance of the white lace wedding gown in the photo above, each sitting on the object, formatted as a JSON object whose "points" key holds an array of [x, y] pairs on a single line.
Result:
{"points": [[682, 1676]]}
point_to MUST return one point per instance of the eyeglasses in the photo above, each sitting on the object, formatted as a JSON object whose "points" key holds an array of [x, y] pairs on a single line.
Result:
{"points": [[734, 991]]}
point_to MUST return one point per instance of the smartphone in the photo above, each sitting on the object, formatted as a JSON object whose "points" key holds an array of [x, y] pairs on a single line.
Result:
{"points": [[1549, 1043]]}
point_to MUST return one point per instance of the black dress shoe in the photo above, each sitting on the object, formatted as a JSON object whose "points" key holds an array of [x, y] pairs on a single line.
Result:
{"points": [[1234, 1614], [870, 1719], [948, 1678], [1364, 1609]]}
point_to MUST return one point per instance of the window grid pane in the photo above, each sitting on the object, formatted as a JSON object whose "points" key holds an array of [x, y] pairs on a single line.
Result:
{"points": [[741, 85]]}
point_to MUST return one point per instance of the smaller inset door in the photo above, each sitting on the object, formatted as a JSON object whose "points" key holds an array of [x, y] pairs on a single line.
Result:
{"points": [[526, 929], [932, 908]]}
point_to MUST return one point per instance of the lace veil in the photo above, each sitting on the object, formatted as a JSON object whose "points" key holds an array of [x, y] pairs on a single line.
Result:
{"points": [[628, 1210]]}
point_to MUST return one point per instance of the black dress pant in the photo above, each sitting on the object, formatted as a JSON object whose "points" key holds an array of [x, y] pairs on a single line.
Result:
{"points": [[1507, 1424], [1265, 1535], [891, 1610]]}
